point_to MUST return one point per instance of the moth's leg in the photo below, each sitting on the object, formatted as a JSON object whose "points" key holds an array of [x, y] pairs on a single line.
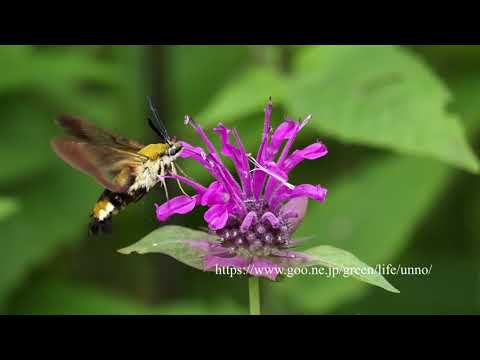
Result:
{"points": [[162, 179], [174, 172], [179, 168]]}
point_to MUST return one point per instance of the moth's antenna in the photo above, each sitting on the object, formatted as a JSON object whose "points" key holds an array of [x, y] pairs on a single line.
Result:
{"points": [[154, 128], [160, 127]]}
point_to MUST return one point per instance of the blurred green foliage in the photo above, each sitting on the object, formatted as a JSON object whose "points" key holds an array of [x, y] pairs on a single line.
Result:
{"points": [[401, 124]]}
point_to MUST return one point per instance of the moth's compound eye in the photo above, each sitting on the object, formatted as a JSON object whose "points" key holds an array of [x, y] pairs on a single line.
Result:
{"points": [[173, 150]]}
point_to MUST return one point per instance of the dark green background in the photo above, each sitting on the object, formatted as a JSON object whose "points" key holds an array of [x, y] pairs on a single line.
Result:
{"points": [[400, 123]]}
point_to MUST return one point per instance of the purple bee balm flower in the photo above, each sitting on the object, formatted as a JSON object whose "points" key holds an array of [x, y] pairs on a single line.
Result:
{"points": [[254, 218]]}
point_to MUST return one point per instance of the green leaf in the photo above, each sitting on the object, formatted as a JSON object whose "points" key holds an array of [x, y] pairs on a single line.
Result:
{"points": [[172, 240], [465, 101], [47, 83], [246, 94], [25, 128], [8, 207], [53, 210], [44, 71], [372, 214], [56, 199], [449, 59], [348, 264], [381, 96], [14, 57], [195, 73], [59, 298], [459, 298]]}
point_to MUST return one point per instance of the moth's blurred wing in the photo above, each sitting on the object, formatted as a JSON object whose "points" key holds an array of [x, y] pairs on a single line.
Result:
{"points": [[87, 132], [113, 168]]}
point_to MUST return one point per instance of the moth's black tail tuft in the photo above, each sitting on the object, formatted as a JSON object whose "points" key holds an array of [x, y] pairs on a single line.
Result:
{"points": [[97, 227]]}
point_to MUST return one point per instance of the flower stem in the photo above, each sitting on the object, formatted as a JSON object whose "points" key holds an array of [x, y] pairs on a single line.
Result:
{"points": [[254, 295]]}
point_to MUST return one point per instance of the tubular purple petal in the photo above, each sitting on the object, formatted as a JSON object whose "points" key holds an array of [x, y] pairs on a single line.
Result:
{"points": [[238, 157], [179, 205], [206, 140], [315, 192], [259, 178], [311, 152], [245, 170], [296, 206], [216, 216], [288, 130], [224, 177], [285, 131], [227, 148], [215, 194], [266, 130], [288, 145], [195, 153]]}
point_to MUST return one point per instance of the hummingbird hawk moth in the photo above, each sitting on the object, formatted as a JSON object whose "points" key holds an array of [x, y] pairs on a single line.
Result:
{"points": [[125, 168]]}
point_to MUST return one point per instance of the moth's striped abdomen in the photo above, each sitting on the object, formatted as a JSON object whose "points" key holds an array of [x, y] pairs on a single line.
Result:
{"points": [[107, 205]]}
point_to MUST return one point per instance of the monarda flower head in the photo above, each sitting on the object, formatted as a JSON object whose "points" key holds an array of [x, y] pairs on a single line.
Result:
{"points": [[252, 218]]}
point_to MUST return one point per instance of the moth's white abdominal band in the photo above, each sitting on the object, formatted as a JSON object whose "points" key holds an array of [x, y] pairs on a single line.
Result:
{"points": [[104, 213]]}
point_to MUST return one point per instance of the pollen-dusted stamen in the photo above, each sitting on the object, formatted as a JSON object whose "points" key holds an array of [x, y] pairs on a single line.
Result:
{"points": [[271, 173], [305, 121]]}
